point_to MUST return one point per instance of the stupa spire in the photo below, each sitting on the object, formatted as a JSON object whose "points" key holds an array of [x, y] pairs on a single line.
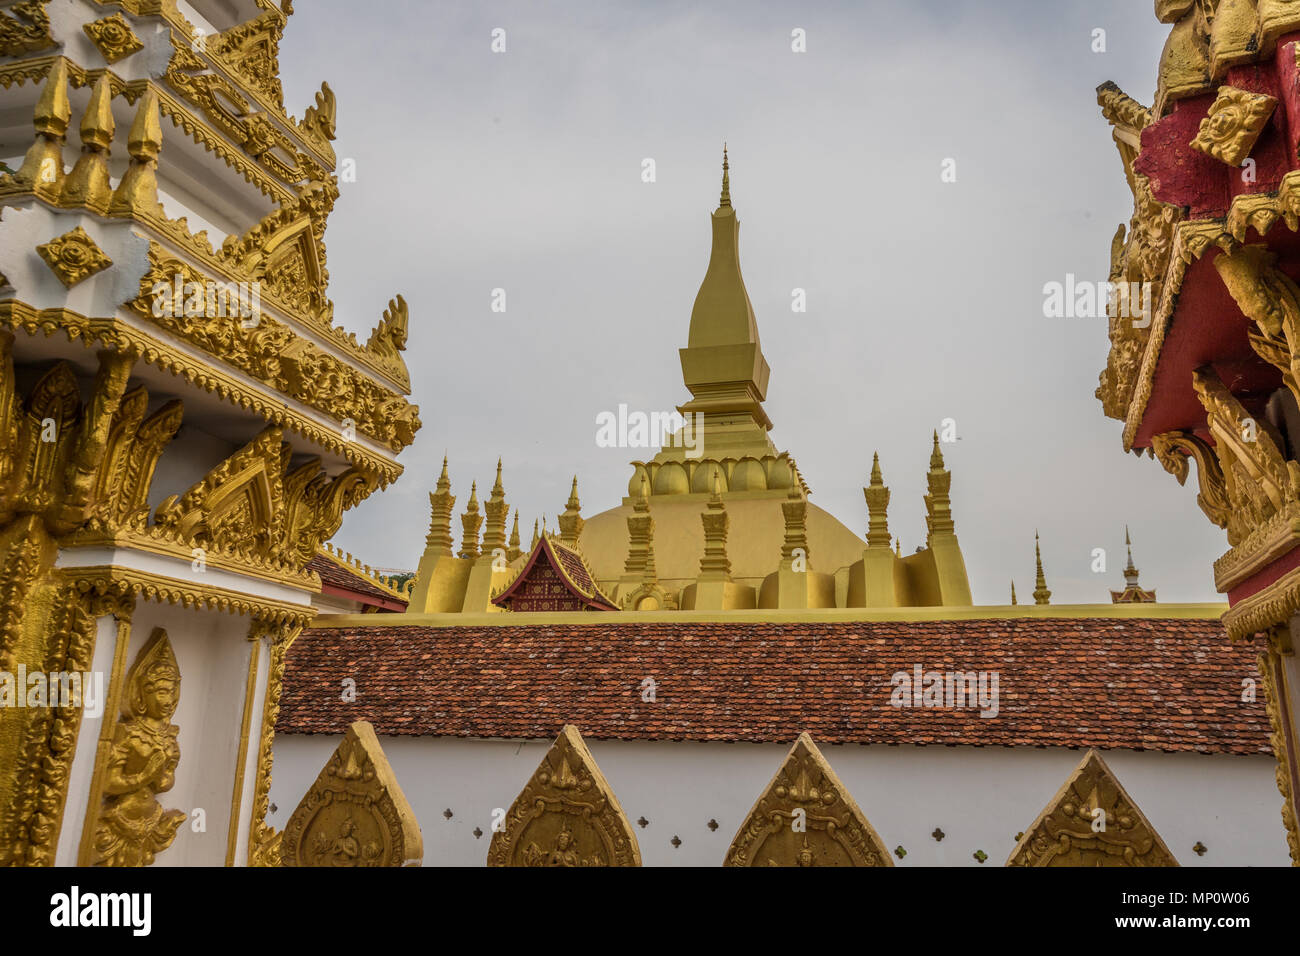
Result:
{"points": [[470, 523], [1013, 593], [514, 550], [496, 509], [723, 364], [1041, 594], [441, 505], [715, 565], [725, 198], [938, 505], [877, 496], [571, 521]]}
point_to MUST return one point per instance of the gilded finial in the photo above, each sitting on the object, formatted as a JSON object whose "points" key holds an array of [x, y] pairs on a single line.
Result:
{"points": [[43, 164], [726, 179], [88, 183], [573, 496], [137, 193], [497, 488], [1013, 593], [877, 478], [571, 521], [1041, 594], [536, 538], [936, 456]]}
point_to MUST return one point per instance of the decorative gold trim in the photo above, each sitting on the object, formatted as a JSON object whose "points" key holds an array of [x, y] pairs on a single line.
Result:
{"points": [[112, 704], [241, 760], [25, 27], [264, 841], [73, 257], [113, 37]]}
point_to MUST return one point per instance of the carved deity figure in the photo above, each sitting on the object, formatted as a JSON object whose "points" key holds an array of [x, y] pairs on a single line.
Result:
{"points": [[133, 827]]}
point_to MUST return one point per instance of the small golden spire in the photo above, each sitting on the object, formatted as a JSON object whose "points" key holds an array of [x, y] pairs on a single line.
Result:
{"points": [[88, 183], [1041, 594], [514, 551], [43, 164], [877, 497], [571, 521], [536, 538], [470, 522], [898, 547], [938, 504], [1013, 593], [725, 200], [496, 511], [138, 191]]}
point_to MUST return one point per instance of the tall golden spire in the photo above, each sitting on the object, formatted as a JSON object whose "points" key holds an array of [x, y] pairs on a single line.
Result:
{"points": [[723, 364], [88, 183], [571, 521], [470, 523], [441, 506], [1041, 594], [138, 191], [877, 496], [43, 164]]}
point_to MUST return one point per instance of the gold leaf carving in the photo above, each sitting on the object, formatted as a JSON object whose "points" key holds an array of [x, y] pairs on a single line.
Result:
{"points": [[73, 257], [25, 27], [806, 817], [1091, 822], [114, 37], [566, 815], [355, 813], [1235, 120], [133, 827]]}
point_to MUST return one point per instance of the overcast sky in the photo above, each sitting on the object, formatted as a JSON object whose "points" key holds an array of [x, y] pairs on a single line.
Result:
{"points": [[522, 170]]}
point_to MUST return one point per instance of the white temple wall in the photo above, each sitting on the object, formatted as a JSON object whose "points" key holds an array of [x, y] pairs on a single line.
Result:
{"points": [[980, 797]]}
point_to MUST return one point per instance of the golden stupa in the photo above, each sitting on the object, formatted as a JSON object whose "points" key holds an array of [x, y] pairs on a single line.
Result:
{"points": [[718, 519]]}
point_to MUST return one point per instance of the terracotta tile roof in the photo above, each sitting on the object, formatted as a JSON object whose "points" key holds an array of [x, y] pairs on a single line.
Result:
{"points": [[1144, 684], [340, 576]]}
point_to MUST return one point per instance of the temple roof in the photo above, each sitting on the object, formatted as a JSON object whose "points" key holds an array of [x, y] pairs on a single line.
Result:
{"points": [[1100, 681], [338, 578], [573, 571]]}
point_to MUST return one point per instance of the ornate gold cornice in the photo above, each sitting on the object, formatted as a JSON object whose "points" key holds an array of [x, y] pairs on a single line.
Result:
{"points": [[110, 581], [1280, 601], [1265, 544], [272, 353], [116, 335]]}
